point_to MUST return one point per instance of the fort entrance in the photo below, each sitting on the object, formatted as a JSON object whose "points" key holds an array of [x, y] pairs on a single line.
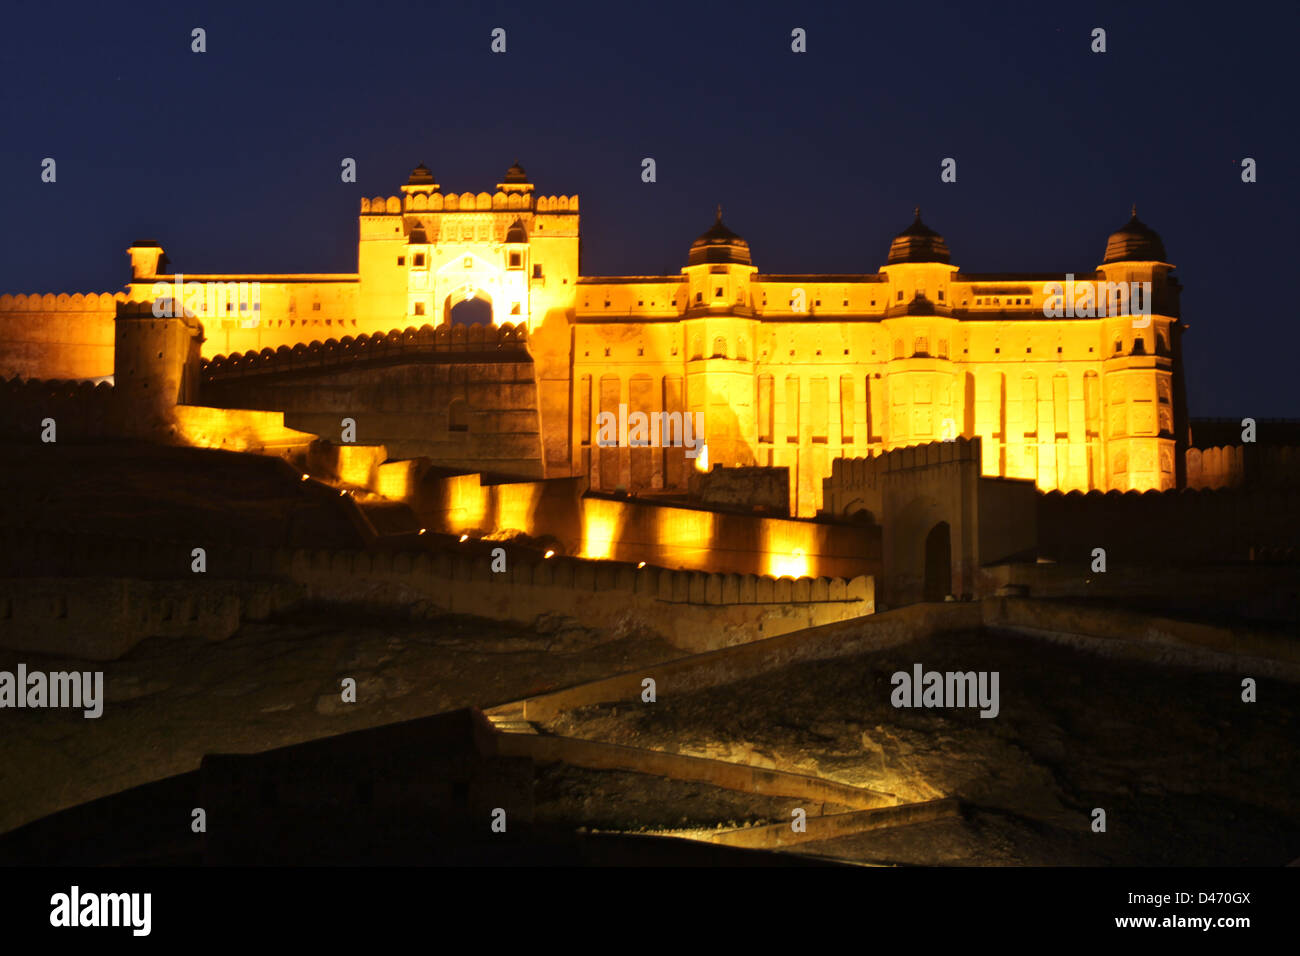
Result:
{"points": [[467, 306]]}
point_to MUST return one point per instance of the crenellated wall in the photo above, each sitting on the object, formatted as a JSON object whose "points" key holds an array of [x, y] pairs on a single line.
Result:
{"points": [[462, 397], [1235, 466], [1170, 527], [694, 610], [942, 521], [57, 336], [632, 530], [103, 618]]}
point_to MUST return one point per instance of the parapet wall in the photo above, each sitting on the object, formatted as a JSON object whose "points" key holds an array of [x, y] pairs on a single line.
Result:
{"points": [[81, 411], [84, 412], [103, 618], [633, 530], [462, 202], [1169, 526], [463, 397], [858, 483], [393, 346], [693, 610], [57, 336], [1235, 466]]}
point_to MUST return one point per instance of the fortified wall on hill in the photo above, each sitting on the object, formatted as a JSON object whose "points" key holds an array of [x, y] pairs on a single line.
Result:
{"points": [[788, 371]]}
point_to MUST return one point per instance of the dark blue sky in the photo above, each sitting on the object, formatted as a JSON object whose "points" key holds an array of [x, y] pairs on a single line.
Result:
{"points": [[231, 158]]}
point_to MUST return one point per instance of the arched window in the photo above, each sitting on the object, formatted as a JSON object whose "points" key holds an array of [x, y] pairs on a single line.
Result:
{"points": [[720, 347]]}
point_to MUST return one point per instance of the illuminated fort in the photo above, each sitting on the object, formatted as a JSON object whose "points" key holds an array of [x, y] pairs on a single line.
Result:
{"points": [[789, 371]]}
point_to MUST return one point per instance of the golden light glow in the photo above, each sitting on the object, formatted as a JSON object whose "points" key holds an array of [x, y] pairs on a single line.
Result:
{"points": [[355, 463], [702, 459], [640, 565], [236, 429], [422, 530], [549, 554], [467, 503], [396, 479], [464, 538], [600, 520], [787, 544], [516, 504]]}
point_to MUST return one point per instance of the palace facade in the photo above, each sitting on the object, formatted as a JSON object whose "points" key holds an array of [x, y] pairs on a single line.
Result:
{"points": [[790, 371]]}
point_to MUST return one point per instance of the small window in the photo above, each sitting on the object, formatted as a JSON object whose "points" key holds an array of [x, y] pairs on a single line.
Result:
{"points": [[315, 306], [401, 260], [469, 262], [1119, 346], [516, 260], [900, 295], [940, 295], [699, 297], [419, 308], [419, 260], [537, 271], [717, 293]]}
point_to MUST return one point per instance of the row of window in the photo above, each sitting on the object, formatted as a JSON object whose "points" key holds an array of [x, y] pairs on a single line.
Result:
{"points": [[516, 262]]}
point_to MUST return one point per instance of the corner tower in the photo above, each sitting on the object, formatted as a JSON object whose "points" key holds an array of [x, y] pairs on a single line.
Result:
{"points": [[720, 331], [1142, 366]]}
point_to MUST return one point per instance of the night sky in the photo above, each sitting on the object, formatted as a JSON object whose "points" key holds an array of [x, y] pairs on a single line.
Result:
{"points": [[231, 158]]}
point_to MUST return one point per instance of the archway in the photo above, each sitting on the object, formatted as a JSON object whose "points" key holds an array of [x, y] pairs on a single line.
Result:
{"points": [[474, 310], [938, 563]]}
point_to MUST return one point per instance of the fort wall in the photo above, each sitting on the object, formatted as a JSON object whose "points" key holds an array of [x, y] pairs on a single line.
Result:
{"points": [[103, 618], [634, 530], [463, 397], [1173, 526], [57, 336], [693, 610]]}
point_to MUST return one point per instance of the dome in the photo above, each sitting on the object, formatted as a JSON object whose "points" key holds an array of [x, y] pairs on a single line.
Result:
{"points": [[918, 243], [1136, 242], [516, 174], [516, 233], [420, 176], [719, 244]]}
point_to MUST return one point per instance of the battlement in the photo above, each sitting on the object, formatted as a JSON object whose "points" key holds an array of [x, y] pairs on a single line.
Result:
{"points": [[467, 202], [866, 471], [708, 610], [80, 409], [507, 342], [61, 302]]}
